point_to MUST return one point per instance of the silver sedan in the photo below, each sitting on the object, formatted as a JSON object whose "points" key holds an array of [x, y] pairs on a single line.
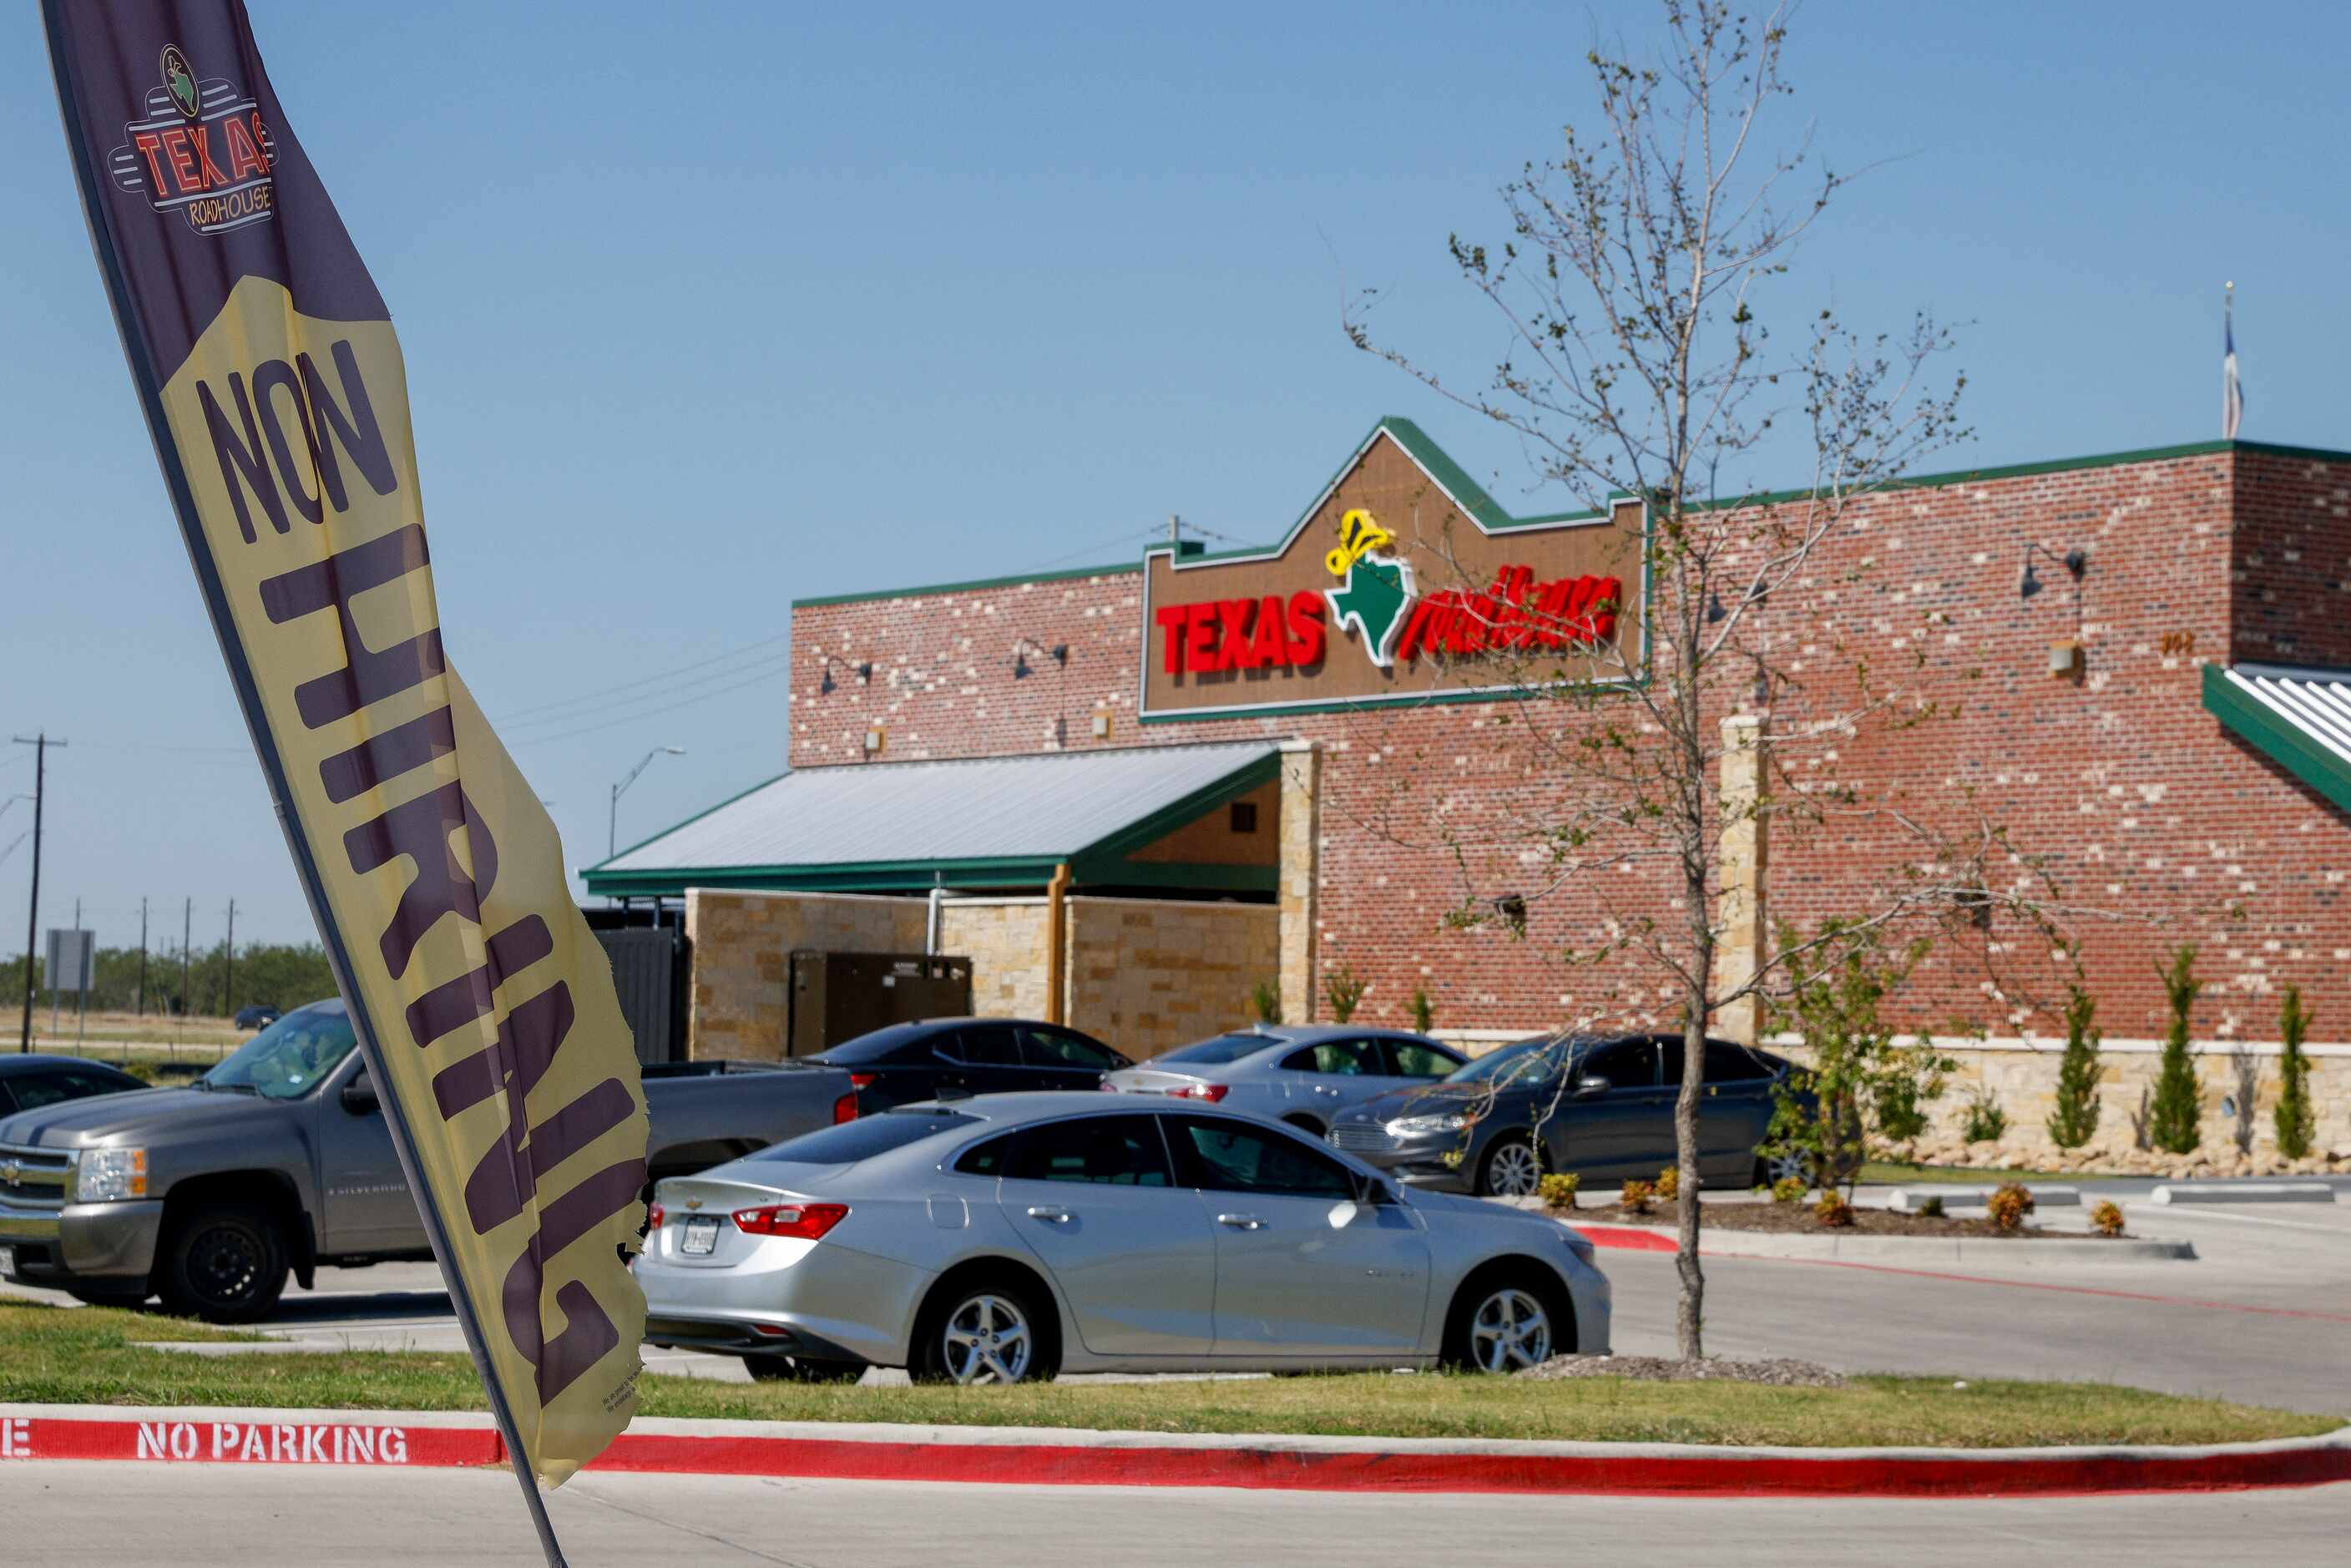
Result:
{"points": [[1304, 1074], [1010, 1237]]}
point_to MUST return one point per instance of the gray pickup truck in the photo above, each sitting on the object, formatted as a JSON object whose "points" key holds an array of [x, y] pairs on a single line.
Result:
{"points": [[278, 1160]]}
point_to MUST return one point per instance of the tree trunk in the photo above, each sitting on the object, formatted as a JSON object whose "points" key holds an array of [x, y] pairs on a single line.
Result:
{"points": [[1689, 1315]]}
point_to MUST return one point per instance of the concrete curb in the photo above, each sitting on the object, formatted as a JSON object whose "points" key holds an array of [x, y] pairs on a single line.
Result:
{"points": [[2243, 1192], [1057, 1457], [1908, 1249]]}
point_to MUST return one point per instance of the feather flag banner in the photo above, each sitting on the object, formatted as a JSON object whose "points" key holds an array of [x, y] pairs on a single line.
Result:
{"points": [[273, 386]]}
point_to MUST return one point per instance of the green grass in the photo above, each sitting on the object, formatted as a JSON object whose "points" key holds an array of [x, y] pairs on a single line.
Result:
{"points": [[92, 1355], [1879, 1173]]}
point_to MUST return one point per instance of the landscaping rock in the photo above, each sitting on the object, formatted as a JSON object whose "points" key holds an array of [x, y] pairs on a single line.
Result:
{"points": [[1781, 1372]]}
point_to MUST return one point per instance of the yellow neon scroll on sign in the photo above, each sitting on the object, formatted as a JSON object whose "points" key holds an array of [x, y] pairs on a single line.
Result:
{"points": [[1358, 537]]}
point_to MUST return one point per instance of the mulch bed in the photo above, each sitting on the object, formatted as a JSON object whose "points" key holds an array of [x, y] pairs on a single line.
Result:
{"points": [[1781, 1371], [1797, 1216]]}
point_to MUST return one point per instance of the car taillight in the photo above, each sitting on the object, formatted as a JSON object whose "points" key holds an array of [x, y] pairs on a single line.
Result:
{"points": [[805, 1220], [845, 1108], [862, 1080], [1211, 1093], [655, 1215], [1107, 1087]]}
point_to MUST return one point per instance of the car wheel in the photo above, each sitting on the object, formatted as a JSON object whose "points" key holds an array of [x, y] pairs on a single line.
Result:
{"points": [[1504, 1323], [796, 1369], [1770, 1170], [987, 1332], [1512, 1168], [223, 1263]]}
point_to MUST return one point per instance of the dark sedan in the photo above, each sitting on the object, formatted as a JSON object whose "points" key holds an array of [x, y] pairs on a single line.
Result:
{"points": [[258, 1015], [30, 1082], [1605, 1108], [903, 1063]]}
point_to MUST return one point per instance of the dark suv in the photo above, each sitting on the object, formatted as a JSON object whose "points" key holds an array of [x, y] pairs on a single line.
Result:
{"points": [[903, 1063], [1605, 1107]]}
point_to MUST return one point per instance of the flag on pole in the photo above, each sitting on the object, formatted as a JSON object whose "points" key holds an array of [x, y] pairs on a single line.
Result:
{"points": [[2232, 395], [266, 363]]}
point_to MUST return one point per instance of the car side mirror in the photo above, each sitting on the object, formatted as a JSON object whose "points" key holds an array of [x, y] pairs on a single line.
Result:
{"points": [[1591, 1083], [359, 1096], [1376, 1190]]}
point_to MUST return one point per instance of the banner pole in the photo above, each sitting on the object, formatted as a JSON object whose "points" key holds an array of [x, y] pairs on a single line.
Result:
{"points": [[148, 386]]}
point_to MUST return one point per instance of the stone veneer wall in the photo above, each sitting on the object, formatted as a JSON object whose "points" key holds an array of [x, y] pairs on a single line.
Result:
{"points": [[743, 944], [1143, 974], [1148, 973], [1004, 940]]}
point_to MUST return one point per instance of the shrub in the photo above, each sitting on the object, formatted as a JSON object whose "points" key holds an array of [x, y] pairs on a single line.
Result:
{"points": [[1638, 1196], [1668, 1183], [2175, 1118], [2107, 1218], [1789, 1189], [1265, 1001], [1558, 1189], [1858, 1073], [2009, 1205], [2293, 1118], [1424, 1011], [1343, 992], [1931, 1209], [1832, 1210], [1986, 1121], [2074, 1118]]}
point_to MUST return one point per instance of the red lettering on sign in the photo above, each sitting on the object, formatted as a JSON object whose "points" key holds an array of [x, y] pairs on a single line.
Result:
{"points": [[183, 161], [211, 172], [1306, 628], [1234, 649], [243, 157], [1199, 638], [1171, 636], [149, 145], [1267, 646]]}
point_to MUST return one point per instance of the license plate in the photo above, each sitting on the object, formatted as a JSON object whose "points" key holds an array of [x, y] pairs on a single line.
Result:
{"points": [[8, 1261], [701, 1237]]}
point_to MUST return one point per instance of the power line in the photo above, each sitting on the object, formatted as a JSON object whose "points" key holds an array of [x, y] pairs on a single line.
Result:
{"points": [[524, 713], [649, 712]]}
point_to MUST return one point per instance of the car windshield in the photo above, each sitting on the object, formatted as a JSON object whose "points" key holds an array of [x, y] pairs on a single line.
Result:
{"points": [[286, 1061], [1212, 1052], [1528, 1061], [864, 1138]]}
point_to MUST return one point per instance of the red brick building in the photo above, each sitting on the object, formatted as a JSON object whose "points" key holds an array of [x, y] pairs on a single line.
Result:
{"points": [[2185, 777]]}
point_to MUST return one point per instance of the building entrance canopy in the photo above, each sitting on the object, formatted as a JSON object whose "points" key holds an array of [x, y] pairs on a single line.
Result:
{"points": [[1003, 822]]}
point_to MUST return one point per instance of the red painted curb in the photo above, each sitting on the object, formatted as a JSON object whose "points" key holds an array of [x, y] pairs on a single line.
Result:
{"points": [[1777, 1473], [1625, 1240]]}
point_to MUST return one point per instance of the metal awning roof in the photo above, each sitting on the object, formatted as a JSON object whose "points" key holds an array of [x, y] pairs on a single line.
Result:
{"points": [[1000, 821], [2300, 717]]}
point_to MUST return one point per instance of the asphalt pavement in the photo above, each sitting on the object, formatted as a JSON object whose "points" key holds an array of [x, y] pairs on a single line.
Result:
{"points": [[64, 1514]]}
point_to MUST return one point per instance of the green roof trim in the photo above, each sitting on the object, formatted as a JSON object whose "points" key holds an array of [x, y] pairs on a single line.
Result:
{"points": [[1473, 500], [2268, 732], [687, 822], [1089, 863]]}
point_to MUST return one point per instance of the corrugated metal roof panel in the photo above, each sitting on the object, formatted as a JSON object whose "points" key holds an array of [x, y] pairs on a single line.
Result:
{"points": [[1049, 807], [2315, 702]]}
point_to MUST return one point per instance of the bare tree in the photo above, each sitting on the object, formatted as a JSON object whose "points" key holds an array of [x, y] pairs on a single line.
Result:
{"points": [[1634, 283]]}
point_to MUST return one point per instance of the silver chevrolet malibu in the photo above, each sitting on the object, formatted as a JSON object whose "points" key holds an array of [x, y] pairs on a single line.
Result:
{"points": [[1009, 1237]]}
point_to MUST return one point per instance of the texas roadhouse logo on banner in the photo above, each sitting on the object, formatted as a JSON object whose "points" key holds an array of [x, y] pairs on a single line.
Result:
{"points": [[201, 151]]}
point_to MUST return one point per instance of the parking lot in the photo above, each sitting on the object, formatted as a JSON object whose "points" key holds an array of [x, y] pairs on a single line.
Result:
{"points": [[2258, 1316]]}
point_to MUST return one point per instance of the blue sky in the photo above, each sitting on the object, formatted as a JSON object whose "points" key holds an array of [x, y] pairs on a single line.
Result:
{"points": [[707, 307]]}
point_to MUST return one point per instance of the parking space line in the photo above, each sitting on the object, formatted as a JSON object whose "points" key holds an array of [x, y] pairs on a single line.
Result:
{"points": [[2043, 1285]]}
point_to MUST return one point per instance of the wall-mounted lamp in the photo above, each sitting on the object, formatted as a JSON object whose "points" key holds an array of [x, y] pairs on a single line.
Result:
{"points": [[2076, 561], [865, 672], [1058, 653], [1512, 909]]}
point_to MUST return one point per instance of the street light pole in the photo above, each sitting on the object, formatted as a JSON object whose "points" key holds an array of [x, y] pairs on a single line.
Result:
{"points": [[612, 821], [40, 743]]}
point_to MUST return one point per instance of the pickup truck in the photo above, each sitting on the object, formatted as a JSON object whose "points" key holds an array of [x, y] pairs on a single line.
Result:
{"points": [[278, 1160]]}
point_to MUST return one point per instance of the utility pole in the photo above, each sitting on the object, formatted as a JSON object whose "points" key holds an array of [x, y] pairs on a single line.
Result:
{"points": [[142, 958], [228, 983], [40, 743], [1174, 529], [187, 933], [81, 986]]}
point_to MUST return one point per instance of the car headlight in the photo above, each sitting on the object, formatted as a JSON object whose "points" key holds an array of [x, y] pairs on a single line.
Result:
{"points": [[1405, 1126], [109, 1176]]}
